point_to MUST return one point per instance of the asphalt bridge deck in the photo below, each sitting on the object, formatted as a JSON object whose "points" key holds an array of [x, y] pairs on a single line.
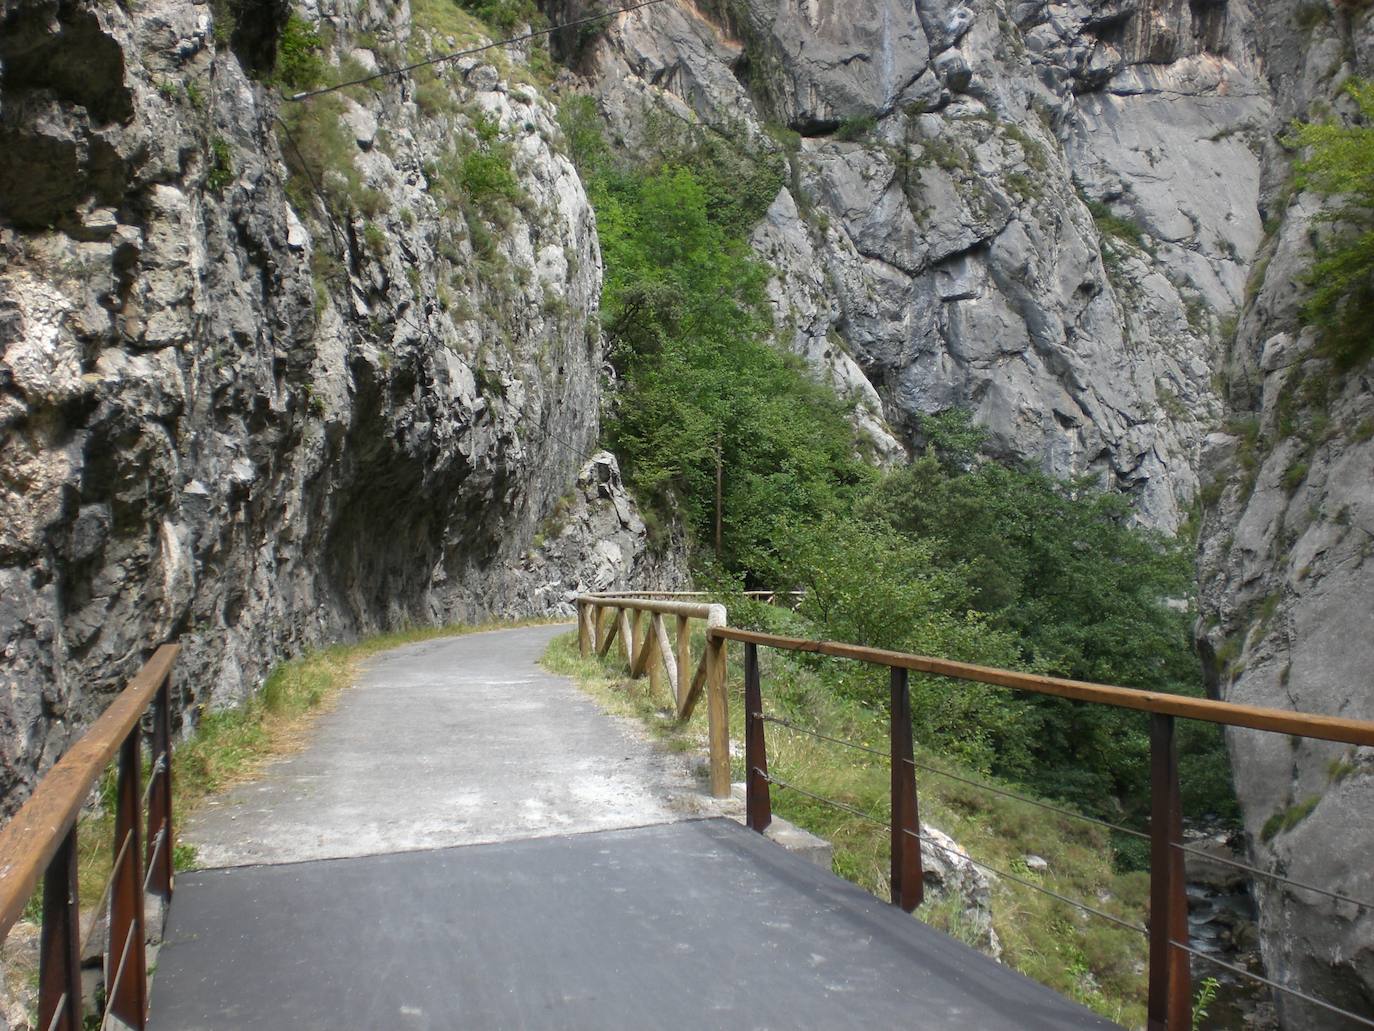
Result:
{"points": [[700, 924]]}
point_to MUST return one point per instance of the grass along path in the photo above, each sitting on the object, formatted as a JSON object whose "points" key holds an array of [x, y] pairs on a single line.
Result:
{"points": [[1081, 956]]}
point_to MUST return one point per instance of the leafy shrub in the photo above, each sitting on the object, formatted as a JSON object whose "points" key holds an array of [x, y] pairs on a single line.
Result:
{"points": [[300, 63], [1340, 163], [505, 16]]}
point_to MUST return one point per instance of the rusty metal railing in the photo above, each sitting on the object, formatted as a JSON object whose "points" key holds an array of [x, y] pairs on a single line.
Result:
{"points": [[1169, 1001], [650, 650], [41, 842]]}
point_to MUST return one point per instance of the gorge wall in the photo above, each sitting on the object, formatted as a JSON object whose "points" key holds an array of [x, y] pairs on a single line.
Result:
{"points": [[256, 412], [1078, 221], [277, 372]]}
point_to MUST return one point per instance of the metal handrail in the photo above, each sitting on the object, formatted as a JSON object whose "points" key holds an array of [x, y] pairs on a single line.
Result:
{"points": [[1169, 1004], [1280, 721], [40, 842]]}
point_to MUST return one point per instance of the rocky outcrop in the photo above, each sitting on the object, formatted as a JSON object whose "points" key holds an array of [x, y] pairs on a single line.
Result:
{"points": [[1075, 220], [275, 374], [1286, 584], [1041, 213]]}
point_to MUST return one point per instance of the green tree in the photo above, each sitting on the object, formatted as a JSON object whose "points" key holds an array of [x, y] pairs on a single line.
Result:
{"points": [[699, 380], [1087, 595], [1340, 163]]}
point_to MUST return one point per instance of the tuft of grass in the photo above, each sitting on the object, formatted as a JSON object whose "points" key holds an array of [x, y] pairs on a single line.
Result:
{"points": [[1111, 224], [1288, 818], [1097, 963], [221, 172]]}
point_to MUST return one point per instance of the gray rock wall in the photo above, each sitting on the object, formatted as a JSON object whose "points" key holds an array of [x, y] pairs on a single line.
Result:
{"points": [[1075, 220], [1287, 587], [1041, 213], [238, 416]]}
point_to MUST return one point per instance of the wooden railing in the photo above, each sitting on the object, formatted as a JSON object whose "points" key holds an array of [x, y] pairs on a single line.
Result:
{"points": [[41, 842], [1169, 1002], [637, 622]]}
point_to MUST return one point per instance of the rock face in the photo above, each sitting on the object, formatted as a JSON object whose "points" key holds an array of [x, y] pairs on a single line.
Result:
{"points": [[1287, 587], [1043, 213], [265, 378], [1075, 220]]}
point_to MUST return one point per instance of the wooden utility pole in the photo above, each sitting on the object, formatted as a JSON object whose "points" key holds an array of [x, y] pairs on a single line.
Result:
{"points": [[720, 479]]}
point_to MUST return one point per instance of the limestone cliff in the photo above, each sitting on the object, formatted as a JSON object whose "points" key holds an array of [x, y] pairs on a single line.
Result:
{"points": [[1042, 213], [1287, 586], [1075, 219], [265, 379]]}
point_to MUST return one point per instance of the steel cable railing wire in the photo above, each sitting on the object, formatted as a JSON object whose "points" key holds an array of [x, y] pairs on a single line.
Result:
{"points": [[113, 984], [1269, 875], [817, 734], [443, 58], [153, 854], [954, 776], [153, 773], [1118, 828], [109, 886], [59, 1012], [1076, 903], [1241, 971]]}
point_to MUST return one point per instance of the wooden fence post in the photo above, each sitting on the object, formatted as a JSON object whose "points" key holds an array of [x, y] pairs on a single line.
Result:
{"points": [[652, 657], [583, 630], [627, 641], [684, 660]]}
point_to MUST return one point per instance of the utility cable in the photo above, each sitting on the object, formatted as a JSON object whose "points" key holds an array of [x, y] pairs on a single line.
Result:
{"points": [[443, 58]]}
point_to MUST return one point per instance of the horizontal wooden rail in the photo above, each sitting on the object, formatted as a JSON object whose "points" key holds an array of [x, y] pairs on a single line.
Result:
{"points": [[656, 653], [1281, 721], [40, 841], [31, 839]]}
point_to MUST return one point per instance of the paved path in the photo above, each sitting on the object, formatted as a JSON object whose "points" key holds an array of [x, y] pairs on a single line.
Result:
{"points": [[582, 893], [452, 741]]}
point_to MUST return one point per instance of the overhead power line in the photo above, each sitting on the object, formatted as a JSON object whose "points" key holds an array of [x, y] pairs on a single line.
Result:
{"points": [[442, 58]]}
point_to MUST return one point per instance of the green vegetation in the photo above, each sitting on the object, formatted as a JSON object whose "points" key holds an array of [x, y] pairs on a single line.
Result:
{"points": [[1288, 818], [1340, 163], [300, 62], [686, 319], [221, 170], [950, 556], [319, 150], [1110, 224], [855, 128], [505, 16], [1092, 961]]}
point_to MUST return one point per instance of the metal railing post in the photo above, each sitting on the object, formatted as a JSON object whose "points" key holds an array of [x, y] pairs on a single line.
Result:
{"points": [[758, 806], [908, 877], [159, 861], [59, 963], [1170, 988], [126, 979]]}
